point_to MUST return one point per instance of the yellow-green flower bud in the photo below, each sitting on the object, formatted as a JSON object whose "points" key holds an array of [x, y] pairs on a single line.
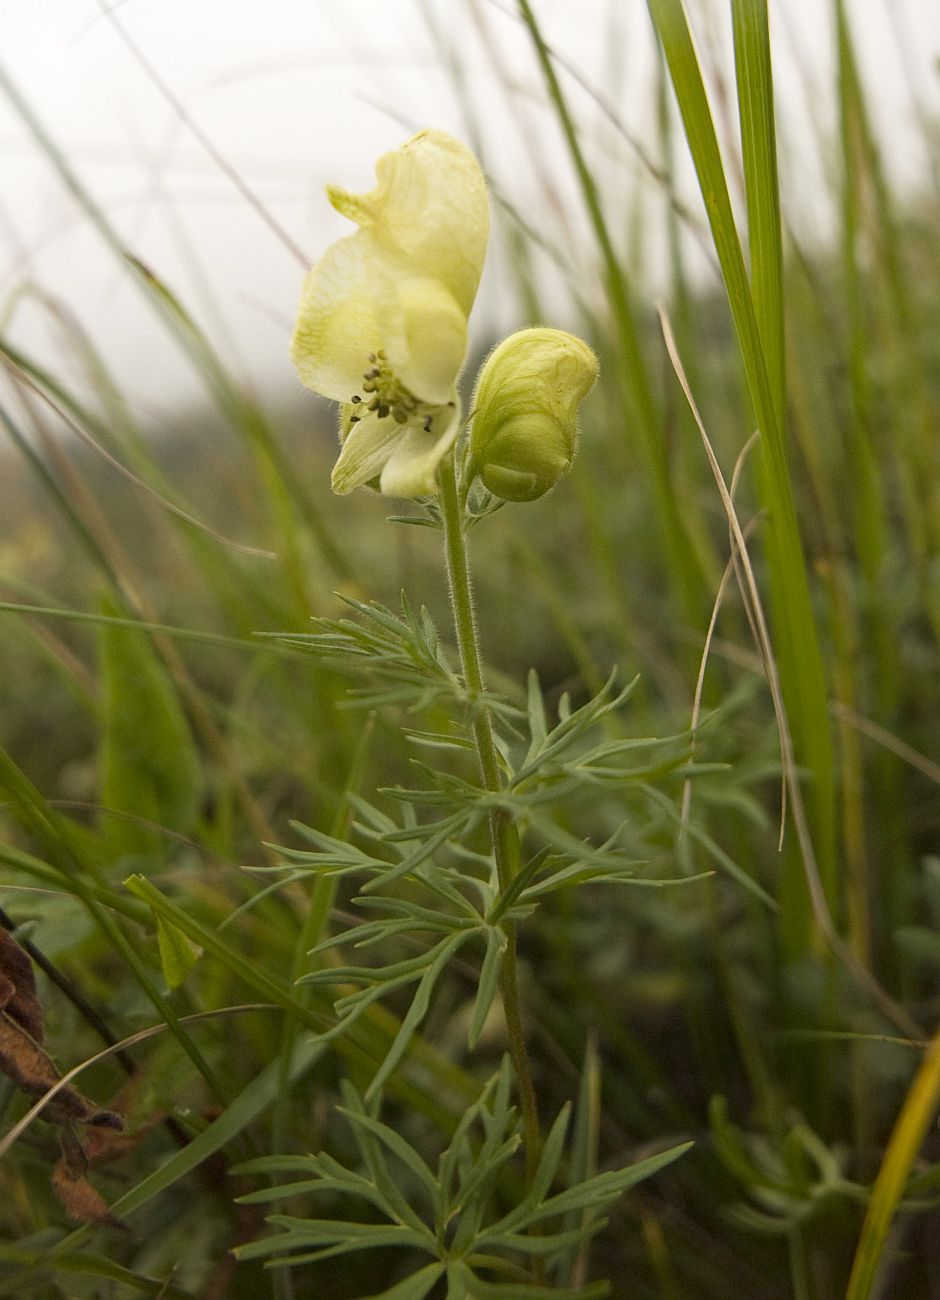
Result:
{"points": [[525, 423]]}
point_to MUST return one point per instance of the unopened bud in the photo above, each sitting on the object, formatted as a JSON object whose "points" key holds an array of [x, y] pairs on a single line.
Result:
{"points": [[526, 410]]}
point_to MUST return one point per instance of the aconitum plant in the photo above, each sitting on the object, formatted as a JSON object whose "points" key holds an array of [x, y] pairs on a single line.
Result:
{"points": [[383, 330]]}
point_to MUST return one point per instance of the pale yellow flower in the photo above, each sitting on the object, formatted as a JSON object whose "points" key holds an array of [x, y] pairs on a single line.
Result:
{"points": [[382, 326]]}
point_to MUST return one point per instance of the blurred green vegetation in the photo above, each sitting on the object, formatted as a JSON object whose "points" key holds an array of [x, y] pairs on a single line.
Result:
{"points": [[147, 728]]}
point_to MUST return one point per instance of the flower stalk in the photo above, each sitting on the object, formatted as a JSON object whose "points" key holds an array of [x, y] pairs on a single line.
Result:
{"points": [[502, 830]]}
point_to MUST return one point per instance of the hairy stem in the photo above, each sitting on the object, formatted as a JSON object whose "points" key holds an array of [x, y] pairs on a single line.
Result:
{"points": [[503, 832]]}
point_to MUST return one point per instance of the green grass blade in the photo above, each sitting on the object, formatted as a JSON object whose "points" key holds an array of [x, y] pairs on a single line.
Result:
{"points": [[799, 655], [917, 1114], [759, 154]]}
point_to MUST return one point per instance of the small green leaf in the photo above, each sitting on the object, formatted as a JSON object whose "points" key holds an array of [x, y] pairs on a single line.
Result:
{"points": [[417, 1011], [414, 1287], [486, 986], [178, 954]]}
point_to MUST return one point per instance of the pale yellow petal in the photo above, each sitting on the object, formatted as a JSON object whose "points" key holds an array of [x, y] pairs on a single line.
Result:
{"points": [[433, 337], [340, 318], [365, 451], [411, 470], [430, 204], [360, 298]]}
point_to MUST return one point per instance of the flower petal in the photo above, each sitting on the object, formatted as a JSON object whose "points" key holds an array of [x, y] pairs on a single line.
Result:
{"points": [[434, 338], [365, 451], [430, 204], [336, 317], [360, 298], [344, 298], [411, 470]]}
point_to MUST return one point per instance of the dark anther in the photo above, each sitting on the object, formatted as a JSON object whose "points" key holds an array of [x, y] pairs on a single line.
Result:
{"points": [[383, 410], [355, 399]]}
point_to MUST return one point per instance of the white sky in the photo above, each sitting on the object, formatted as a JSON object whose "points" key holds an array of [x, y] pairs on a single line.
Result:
{"points": [[298, 92]]}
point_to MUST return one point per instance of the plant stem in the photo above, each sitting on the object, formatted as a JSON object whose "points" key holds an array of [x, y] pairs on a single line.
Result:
{"points": [[504, 835]]}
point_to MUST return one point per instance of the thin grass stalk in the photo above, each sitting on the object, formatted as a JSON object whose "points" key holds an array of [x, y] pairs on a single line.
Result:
{"points": [[761, 185], [679, 427], [894, 1012], [858, 883], [757, 118]]}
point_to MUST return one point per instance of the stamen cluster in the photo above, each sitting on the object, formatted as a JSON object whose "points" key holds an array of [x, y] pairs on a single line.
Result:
{"points": [[388, 394]]}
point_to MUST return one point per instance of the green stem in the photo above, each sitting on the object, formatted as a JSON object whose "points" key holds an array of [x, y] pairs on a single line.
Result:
{"points": [[503, 831]]}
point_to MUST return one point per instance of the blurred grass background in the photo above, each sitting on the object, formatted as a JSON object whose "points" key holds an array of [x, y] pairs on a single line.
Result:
{"points": [[146, 728]]}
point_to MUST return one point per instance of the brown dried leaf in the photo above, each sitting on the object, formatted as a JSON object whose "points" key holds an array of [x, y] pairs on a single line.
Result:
{"points": [[82, 1202], [74, 1160], [22, 1058], [18, 987], [24, 1062]]}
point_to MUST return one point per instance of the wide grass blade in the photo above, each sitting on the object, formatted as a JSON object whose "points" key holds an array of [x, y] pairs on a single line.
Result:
{"points": [[798, 649]]}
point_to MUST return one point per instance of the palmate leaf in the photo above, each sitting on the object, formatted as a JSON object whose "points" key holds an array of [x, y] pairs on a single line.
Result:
{"points": [[475, 1287], [366, 1128], [426, 969], [331, 855], [463, 915], [416, 1012], [442, 832], [324, 1175], [494, 1111], [414, 1287], [549, 747], [330, 1237], [440, 740], [595, 1193], [400, 653], [373, 1152], [414, 845], [446, 1213]]}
